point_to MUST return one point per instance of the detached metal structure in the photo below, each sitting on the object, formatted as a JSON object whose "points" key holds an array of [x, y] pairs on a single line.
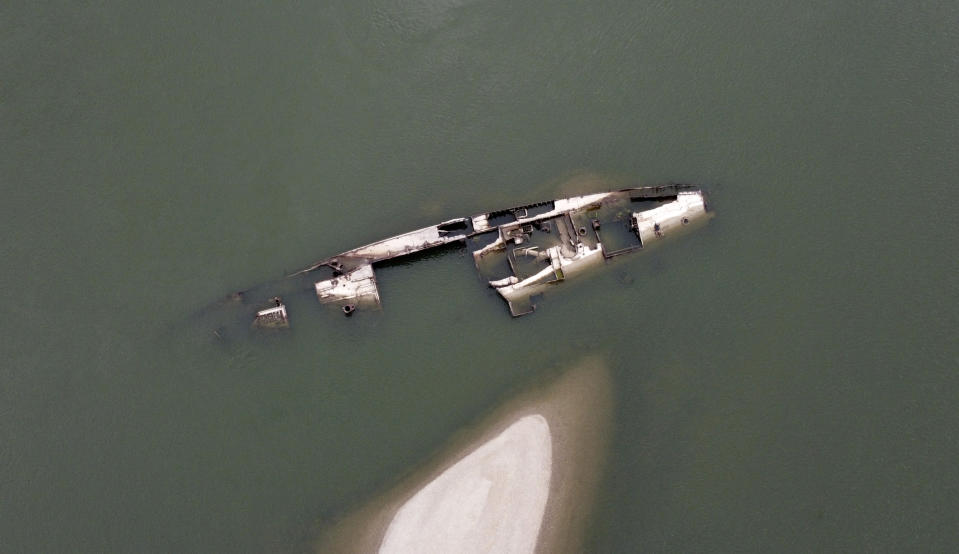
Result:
{"points": [[519, 251]]}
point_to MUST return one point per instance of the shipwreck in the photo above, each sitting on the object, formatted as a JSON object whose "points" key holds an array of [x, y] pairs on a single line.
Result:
{"points": [[520, 252]]}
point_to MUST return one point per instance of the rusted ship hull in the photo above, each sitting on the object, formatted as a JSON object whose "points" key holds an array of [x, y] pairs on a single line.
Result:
{"points": [[519, 251]]}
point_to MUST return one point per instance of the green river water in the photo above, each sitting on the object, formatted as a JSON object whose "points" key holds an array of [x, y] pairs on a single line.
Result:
{"points": [[786, 378]]}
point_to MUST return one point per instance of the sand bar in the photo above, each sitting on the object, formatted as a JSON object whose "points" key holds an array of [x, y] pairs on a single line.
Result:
{"points": [[490, 501], [521, 480]]}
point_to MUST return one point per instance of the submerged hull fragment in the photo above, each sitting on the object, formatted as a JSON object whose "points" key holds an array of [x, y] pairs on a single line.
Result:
{"points": [[519, 251]]}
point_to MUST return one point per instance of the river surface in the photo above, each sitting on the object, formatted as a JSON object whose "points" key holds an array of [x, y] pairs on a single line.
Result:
{"points": [[786, 378]]}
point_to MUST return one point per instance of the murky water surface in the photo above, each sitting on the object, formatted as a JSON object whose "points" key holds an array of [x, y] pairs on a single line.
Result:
{"points": [[786, 378]]}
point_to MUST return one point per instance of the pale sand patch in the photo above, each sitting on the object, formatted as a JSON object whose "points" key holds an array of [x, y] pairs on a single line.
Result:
{"points": [[575, 408], [490, 501]]}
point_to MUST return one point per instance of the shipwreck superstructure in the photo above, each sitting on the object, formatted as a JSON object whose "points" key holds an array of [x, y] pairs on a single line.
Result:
{"points": [[520, 251]]}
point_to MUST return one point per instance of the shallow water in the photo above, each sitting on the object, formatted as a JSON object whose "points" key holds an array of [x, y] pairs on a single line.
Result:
{"points": [[786, 377]]}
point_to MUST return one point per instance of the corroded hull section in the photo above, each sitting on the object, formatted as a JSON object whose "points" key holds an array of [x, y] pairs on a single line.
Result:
{"points": [[578, 233], [520, 251]]}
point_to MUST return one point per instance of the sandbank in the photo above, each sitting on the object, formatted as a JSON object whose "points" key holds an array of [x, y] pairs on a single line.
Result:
{"points": [[521, 480]]}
